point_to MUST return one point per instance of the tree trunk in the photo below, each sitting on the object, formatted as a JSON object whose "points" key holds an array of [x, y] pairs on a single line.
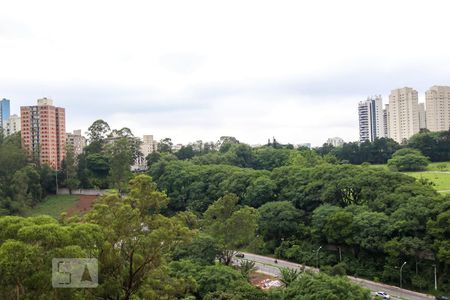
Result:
{"points": [[227, 257], [417, 267]]}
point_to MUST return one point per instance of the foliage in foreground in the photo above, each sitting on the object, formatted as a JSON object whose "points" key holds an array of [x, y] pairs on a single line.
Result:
{"points": [[142, 254], [309, 286], [128, 236]]}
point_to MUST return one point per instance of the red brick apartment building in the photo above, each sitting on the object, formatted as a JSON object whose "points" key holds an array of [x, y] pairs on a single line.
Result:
{"points": [[44, 132]]}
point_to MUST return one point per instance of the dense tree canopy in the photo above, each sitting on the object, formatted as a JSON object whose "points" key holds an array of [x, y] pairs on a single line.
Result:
{"points": [[434, 145], [310, 286], [376, 152], [233, 227], [23, 184], [107, 160], [161, 237]]}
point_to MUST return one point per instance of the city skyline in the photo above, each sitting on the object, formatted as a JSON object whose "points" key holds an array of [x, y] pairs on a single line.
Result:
{"points": [[185, 142], [196, 75]]}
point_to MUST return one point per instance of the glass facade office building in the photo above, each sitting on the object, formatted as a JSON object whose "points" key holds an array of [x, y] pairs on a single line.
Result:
{"points": [[4, 111]]}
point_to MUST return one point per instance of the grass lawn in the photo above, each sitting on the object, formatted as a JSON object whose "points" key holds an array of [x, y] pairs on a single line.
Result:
{"points": [[53, 205], [441, 180], [384, 167], [431, 167], [435, 166]]}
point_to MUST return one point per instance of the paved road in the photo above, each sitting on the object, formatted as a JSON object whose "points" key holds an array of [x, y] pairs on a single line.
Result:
{"points": [[267, 265]]}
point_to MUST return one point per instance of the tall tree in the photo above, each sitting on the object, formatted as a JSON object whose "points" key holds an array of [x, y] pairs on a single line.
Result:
{"points": [[136, 242], [71, 180], [133, 142], [121, 158], [165, 145], [408, 159], [186, 152], [224, 143], [233, 226], [83, 171], [278, 220], [97, 134]]}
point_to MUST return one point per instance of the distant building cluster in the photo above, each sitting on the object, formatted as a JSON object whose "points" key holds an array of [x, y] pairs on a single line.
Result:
{"points": [[404, 116], [44, 136], [335, 141]]}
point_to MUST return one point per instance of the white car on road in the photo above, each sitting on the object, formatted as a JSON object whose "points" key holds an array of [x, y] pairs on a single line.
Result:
{"points": [[383, 295]]}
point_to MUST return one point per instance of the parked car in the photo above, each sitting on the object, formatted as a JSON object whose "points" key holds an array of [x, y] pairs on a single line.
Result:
{"points": [[383, 295], [240, 255], [441, 298]]}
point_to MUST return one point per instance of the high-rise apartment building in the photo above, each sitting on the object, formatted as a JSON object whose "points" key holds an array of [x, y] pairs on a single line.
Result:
{"points": [[148, 146], [403, 114], [422, 116], [12, 125], [76, 141], [371, 121], [438, 108], [44, 132], [4, 111], [386, 120]]}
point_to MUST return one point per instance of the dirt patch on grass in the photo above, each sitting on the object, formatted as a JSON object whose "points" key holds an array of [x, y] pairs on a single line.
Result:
{"points": [[83, 205], [256, 278]]}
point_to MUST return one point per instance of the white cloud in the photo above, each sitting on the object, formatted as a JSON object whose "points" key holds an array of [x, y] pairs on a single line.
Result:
{"points": [[201, 69]]}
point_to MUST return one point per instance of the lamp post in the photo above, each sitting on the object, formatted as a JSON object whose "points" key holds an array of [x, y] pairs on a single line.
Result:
{"points": [[435, 278], [317, 257], [401, 269]]}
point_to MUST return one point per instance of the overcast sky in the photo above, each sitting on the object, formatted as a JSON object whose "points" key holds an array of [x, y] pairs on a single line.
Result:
{"points": [[194, 70]]}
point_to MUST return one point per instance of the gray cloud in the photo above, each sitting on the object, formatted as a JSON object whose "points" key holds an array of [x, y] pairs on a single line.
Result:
{"points": [[94, 98], [357, 82], [223, 106]]}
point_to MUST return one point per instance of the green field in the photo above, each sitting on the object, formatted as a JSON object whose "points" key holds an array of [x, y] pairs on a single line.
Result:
{"points": [[384, 167], [436, 166], [438, 173], [53, 205], [441, 180]]}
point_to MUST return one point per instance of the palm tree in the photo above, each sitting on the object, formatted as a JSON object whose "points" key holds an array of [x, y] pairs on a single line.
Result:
{"points": [[247, 267], [288, 276]]}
